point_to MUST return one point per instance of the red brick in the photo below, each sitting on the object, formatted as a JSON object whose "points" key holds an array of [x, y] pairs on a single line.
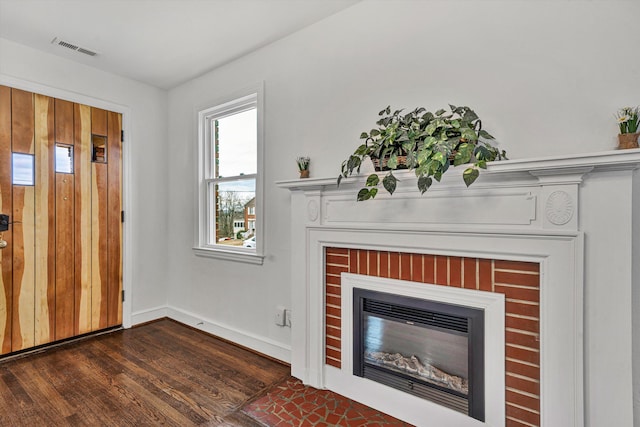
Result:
{"points": [[529, 280], [373, 263], [522, 354], [523, 369], [338, 260], [522, 324], [523, 415], [362, 262], [334, 290], [384, 264], [517, 265], [332, 280], [405, 266], [485, 276], [334, 354], [524, 385], [531, 310], [335, 312], [524, 340], [394, 265], [333, 342], [442, 270], [331, 331], [337, 251], [333, 300], [416, 267], [523, 294], [469, 265], [333, 321], [455, 271], [353, 260], [429, 262], [523, 400], [336, 270]]}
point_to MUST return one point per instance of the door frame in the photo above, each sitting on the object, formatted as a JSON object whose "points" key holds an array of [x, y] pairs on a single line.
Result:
{"points": [[127, 265]]}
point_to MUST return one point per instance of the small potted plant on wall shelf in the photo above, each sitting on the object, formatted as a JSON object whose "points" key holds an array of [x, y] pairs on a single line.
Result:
{"points": [[628, 121], [425, 142]]}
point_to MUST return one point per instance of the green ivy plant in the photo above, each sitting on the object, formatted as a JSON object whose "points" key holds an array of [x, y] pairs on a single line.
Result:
{"points": [[425, 142]]}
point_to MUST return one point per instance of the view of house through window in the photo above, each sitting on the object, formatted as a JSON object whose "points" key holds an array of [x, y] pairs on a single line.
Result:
{"points": [[232, 188]]}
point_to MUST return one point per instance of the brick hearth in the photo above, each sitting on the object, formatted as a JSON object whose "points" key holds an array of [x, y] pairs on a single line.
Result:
{"points": [[518, 281]]}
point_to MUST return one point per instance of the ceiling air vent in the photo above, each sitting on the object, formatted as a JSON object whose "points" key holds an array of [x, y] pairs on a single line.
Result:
{"points": [[72, 46]]}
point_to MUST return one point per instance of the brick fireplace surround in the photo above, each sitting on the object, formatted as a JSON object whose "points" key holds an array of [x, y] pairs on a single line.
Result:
{"points": [[518, 281], [538, 235]]}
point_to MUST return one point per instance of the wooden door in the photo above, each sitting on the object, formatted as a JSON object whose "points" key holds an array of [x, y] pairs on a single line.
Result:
{"points": [[61, 270]]}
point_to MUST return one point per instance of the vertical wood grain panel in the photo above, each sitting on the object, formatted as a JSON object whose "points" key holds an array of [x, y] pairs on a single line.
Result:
{"points": [[6, 255], [22, 124], [82, 171], [114, 227], [98, 121], [64, 122], [65, 295], [99, 263], [23, 327], [23, 311], [99, 285], [45, 243]]}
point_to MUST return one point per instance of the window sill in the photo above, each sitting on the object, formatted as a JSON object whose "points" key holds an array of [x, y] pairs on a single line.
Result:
{"points": [[246, 257]]}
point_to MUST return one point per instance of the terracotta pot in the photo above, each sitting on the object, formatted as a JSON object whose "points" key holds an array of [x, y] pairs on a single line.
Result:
{"points": [[381, 164], [628, 140], [304, 173]]}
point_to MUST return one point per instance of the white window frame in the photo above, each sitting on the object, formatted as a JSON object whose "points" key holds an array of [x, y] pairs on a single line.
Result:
{"points": [[233, 103]]}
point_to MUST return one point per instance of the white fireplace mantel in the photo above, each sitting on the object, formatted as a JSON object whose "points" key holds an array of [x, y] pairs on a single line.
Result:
{"points": [[574, 215]]}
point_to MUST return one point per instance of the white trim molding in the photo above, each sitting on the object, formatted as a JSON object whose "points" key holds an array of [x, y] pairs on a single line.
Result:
{"points": [[239, 101]]}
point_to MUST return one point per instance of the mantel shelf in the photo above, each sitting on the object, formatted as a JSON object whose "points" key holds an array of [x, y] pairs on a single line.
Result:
{"points": [[538, 167]]}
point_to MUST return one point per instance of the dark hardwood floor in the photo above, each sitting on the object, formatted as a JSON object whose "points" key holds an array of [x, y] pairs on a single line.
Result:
{"points": [[162, 373]]}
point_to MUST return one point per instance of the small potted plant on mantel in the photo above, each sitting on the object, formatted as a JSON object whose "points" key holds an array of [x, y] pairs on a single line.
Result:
{"points": [[425, 142], [303, 166], [628, 121]]}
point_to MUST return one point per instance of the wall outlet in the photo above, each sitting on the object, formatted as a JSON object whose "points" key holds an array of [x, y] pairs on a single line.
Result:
{"points": [[288, 316], [281, 316]]}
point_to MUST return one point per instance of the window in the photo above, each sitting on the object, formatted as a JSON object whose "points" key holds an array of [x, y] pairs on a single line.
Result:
{"points": [[64, 158], [230, 178], [23, 169]]}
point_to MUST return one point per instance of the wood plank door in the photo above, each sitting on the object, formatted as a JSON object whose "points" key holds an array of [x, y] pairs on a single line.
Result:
{"points": [[61, 184]]}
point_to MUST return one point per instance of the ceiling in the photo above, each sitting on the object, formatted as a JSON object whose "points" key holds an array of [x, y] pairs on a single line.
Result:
{"points": [[160, 42]]}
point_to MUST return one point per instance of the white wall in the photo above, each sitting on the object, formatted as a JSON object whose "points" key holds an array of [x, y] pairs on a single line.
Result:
{"points": [[146, 124], [546, 78]]}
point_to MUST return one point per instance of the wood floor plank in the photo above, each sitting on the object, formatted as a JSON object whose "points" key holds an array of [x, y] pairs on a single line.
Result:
{"points": [[162, 373]]}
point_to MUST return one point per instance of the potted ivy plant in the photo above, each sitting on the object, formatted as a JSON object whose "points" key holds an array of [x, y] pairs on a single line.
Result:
{"points": [[425, 142]]}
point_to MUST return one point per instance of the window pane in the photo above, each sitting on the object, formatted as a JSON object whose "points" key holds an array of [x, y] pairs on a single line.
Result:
{"points": [[235, 144], [23, 169], [64, 158], [99, 149], [235, 217]]}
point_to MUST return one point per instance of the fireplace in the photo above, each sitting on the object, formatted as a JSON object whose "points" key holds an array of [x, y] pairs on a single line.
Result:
{"points": [[569, 216], [428, 349]]}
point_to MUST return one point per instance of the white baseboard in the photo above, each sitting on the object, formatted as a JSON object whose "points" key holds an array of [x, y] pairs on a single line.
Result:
{"points": [[148, 315], [254, 342]]}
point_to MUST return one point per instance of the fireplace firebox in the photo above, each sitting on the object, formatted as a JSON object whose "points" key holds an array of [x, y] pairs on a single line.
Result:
{"points": [[429, 349]]}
